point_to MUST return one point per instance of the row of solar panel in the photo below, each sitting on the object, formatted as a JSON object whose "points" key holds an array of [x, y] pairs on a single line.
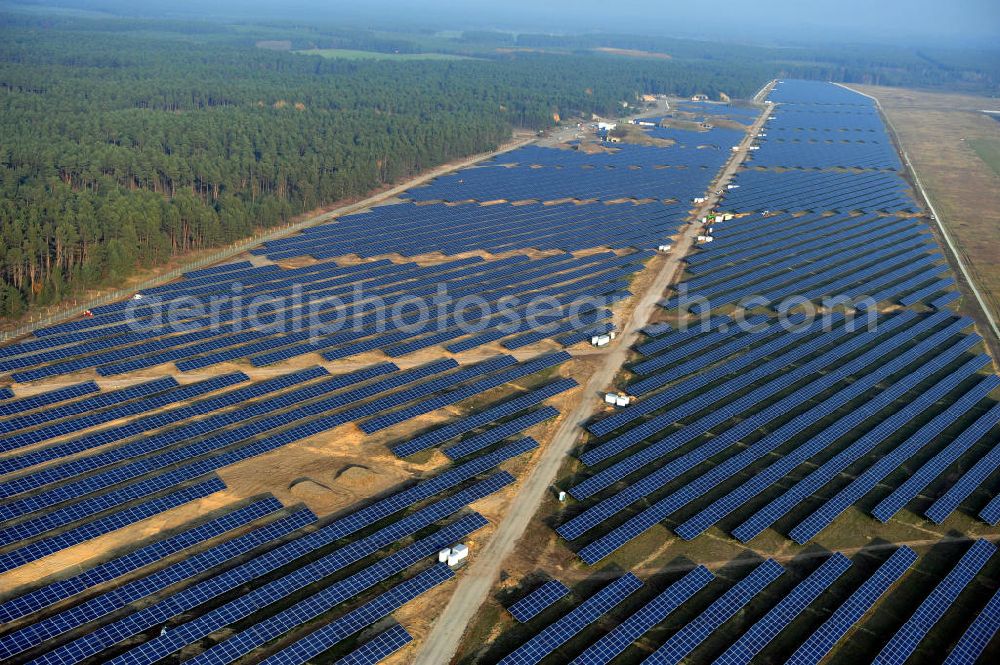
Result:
{"points": [[736, 463], [507, 281], [527, 184], [818, 191], [566, 226], [821, 636], [935, 364], [838, 154], [36, 633], [180, 460]]}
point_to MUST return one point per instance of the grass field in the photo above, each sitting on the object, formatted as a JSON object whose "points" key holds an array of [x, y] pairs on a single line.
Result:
{"points": [[988, 151], [375, 55]]}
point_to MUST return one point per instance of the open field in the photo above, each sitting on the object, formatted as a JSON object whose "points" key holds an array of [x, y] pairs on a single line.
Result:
{"points": [[952, 146], [633, 53], [350, 54]]}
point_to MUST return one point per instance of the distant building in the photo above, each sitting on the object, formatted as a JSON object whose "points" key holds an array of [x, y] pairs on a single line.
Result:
{"points": [[699, 98]]}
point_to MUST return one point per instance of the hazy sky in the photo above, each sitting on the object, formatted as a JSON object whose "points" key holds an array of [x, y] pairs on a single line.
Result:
{"points": [[769, 21]]}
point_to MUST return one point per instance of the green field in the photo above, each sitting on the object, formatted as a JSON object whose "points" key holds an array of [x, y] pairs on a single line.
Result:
{"points": [[988, 151], [376, 55]]}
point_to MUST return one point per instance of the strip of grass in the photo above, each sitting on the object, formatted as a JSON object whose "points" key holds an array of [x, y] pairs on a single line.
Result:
{"points": [[988, 151]]}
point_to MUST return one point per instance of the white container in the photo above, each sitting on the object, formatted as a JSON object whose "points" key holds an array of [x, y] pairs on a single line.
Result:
{"points": [[443, 555], [709, 229], [663, 248], [728, 216], [701, 238], [736, 148], [562, 496], [732, 186], [610, 398], [459, 552], [709, 238], [622, 400], [612, 334], [603, 340], [593, 340], [700, 199]]}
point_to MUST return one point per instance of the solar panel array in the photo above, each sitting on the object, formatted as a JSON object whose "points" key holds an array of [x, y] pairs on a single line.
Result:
{"points": [[377, 649], [538, 600], [635, 626], [768, 605], [975, 640], [45, 596], [413, 230], [563, 629], [819, 644], [337, 311], [321, 640], [902, 645], [785, 611], [279, 557], [688, 638]]}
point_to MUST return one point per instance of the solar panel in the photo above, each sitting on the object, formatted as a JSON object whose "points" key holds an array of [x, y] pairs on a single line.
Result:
{"points": [[819, 644], [966, 484], [991, 511], [164, 645], [375, 650], [479, 418], [651, 453], [820, 441], [683, 496], [935, 466], [563, 629], [315, 605], [531, 605], [817, 478], [44, 399], [157, 551], [652, 613], [805, 346], [112, 522], [864, 483], [519, 370], [100, 606], [498, 433], [908, 637], [975, 640], [354, 621], [156, 394], [687, 639], [785, 611]]}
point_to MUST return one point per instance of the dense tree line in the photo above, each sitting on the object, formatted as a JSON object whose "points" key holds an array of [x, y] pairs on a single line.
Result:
{"points": [[119, 150]]}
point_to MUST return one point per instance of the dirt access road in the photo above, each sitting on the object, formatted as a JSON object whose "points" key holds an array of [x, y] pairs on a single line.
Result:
{"points": [[477, 580]]}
